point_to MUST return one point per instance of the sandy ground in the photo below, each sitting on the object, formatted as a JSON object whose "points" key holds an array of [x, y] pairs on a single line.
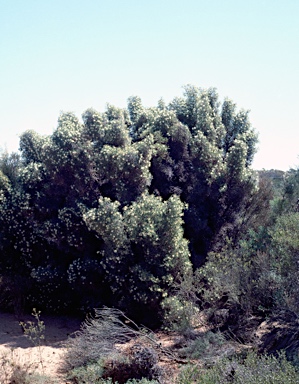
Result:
{"points": [[18, 349], [15, 346]]}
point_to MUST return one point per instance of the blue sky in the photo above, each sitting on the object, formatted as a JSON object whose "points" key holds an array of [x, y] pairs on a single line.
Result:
{"points": [[70, 55]]}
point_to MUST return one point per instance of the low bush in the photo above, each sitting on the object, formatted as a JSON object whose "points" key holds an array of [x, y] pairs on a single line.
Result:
{"points": [[97, 338], [87, 374], [205, 345], [254, 369], [189, 374], [138, 363], [96, 352]]}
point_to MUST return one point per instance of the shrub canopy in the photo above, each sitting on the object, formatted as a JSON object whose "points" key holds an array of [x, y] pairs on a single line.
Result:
{"points": [[116, 209]]}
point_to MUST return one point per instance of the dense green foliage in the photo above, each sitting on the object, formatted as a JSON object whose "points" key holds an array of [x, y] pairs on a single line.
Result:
{"points": [[117, 209]]}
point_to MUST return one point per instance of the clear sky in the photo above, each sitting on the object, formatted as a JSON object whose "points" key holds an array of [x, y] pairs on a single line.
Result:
{"points": [[69, 55]]}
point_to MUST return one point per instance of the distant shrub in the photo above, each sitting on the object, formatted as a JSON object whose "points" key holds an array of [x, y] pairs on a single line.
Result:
{"points": [[246, 276], [259, 274]]}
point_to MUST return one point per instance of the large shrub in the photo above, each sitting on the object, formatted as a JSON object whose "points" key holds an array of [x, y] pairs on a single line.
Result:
{"points": [[112, 209]]}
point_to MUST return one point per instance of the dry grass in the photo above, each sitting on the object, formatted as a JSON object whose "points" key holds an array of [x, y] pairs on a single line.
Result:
{"points": [[19, 368]]}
